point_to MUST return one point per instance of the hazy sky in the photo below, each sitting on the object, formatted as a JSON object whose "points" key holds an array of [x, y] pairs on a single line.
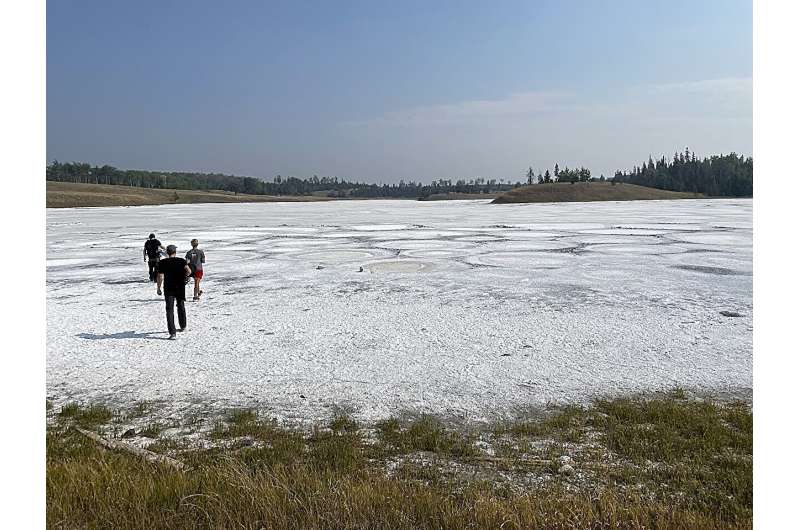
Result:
{"points": [[380, 91]]}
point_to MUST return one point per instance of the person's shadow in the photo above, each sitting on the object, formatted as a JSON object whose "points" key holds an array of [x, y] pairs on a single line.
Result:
{"points": [[150, 335]]}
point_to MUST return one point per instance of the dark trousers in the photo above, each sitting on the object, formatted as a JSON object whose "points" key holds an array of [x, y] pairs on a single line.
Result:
{"points": [[152, 264], [170, 299]]}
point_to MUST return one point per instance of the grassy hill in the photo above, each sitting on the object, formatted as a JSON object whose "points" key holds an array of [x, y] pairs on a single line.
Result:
{"points": [[73, 195], [588, 191], [452, 196]]}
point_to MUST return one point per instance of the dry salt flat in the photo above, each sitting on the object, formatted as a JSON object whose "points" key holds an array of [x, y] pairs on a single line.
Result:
{"points": [[463, 308]]}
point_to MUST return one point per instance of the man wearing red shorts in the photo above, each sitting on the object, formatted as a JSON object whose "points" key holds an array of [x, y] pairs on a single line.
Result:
{"points": [[196, 258]]}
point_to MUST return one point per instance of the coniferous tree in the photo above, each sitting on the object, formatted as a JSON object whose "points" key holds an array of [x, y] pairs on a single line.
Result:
{"points": [[720, 175]]}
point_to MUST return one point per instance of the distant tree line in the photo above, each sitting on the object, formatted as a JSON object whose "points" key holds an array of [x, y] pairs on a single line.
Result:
{"points": [[716, 176], [413, 189], [332, 186]]}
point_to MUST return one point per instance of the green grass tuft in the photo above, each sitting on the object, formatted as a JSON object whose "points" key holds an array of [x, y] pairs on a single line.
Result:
{"points": [[343, 423], [567, 425], [678, 393], [70, 410], [425, 434], [90, 417], [340, 452], [242, 417], [141, 409], [152, 430]]}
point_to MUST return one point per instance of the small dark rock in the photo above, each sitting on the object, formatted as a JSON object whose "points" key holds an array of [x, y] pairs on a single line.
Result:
{"points": [[527, 346], [361, 269], [302, 396], [320, 267], [505, 355], [730, 314], [130, 433]]}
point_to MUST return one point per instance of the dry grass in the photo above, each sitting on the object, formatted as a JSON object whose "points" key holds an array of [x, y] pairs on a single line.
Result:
{"points": [[74, 195], [453, 196], [660, 463], [588, 191], [692, 454]]}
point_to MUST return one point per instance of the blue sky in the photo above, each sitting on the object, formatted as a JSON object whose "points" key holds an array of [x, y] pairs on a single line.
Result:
{"points": [[380, 91]]}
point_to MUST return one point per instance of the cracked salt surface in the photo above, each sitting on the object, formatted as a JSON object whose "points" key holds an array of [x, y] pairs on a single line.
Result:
{"points": [[463, 309]]}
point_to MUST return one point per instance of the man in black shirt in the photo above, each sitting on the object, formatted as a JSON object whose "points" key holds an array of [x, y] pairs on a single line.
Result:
{"points": [[151, 255], [172, 273]]}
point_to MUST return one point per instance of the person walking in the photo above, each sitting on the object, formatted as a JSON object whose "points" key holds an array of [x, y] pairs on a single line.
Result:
{"points": [[151, 255], [196, 259], [173, 273]]}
